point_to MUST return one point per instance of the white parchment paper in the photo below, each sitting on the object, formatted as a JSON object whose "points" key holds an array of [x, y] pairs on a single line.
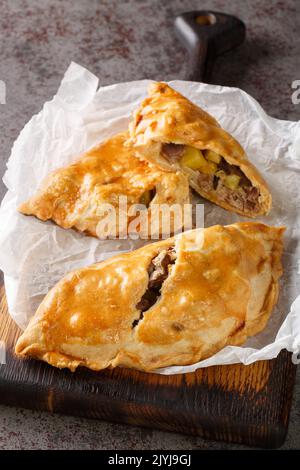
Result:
{"points": [[34, 255]]}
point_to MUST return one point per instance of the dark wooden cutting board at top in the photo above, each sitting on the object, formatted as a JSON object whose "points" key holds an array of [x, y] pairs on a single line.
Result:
{"points": [[235, 403]]}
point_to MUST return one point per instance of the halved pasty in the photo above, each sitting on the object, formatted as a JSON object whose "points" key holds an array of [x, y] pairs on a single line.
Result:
{"points": [[77, 196], [173, 302], [171, 131]]}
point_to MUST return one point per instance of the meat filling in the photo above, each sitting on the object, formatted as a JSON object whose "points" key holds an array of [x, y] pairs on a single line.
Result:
{"points": [[173, 151], [245, 197], [227, 180], [158, 272]]}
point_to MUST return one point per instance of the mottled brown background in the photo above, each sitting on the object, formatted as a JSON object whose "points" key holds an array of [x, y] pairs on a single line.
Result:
{"points": [[121, 41]]}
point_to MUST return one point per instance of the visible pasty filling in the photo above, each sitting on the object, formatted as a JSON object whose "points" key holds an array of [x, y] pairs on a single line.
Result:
{"points": [[147, 197], [215, 174], [158, 272]]}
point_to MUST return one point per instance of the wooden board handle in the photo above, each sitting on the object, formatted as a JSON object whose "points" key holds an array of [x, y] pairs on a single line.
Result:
{"points": [[206, 35]]}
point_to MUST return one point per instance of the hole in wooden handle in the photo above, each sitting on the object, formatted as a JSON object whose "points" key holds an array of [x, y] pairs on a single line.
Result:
{"points": [[206, 20]]}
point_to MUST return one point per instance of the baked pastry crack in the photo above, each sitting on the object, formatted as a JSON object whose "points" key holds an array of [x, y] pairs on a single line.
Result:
{"points": [[160, 306], [77, 196], [158, 271]]}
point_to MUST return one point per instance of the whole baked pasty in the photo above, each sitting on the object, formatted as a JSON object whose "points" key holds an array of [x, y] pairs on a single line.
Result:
{"points": [[171, 131], [77, 196], [173, 302]]}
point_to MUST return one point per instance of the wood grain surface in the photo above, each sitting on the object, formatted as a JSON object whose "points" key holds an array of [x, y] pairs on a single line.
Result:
{"points": [[248, 405]]}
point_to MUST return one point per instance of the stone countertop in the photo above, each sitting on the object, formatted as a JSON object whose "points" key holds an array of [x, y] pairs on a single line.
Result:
{"points": [[122, 41]]}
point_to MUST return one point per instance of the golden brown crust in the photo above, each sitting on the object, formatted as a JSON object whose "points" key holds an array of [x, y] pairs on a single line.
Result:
{"points": [[168, 117], [216, 294], [74, 196]]}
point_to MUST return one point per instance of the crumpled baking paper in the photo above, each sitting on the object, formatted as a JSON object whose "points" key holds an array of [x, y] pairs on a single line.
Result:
{"points": [[34, 255]]}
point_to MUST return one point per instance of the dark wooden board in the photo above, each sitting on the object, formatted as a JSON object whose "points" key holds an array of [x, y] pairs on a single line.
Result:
{"points": [[207, 34], [248, 405]]}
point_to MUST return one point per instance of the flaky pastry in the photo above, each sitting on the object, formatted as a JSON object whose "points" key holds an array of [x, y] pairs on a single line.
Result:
{"points": [[171, 131], [77, 196], [174, 302]]}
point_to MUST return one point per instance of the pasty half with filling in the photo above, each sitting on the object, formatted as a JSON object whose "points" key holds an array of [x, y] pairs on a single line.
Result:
{"points": [[173, 302], [171, 131], [76, 196]]}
